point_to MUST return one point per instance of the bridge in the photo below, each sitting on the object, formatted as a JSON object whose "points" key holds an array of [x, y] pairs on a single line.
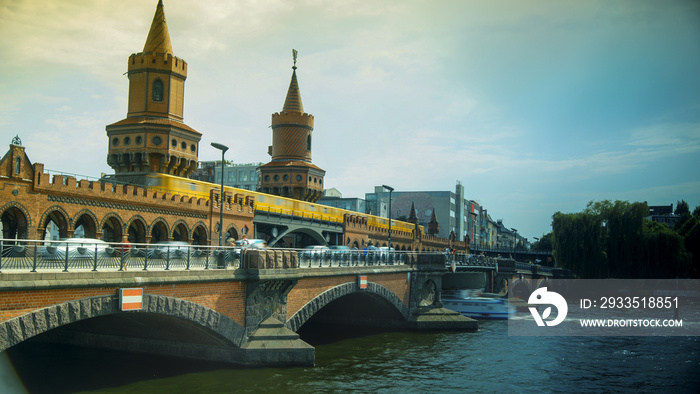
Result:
{"points": [[220, 304], [541, 257]]}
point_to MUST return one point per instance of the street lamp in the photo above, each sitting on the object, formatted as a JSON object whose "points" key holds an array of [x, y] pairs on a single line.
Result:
{"points": [[223, 149], [390, 189]]}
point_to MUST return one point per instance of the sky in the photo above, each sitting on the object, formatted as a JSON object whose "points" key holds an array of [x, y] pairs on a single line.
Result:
{"points": [[534, 106]]}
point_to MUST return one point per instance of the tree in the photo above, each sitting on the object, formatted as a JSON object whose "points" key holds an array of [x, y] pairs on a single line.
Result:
{"points": [[682, 208], [544, 243], [614, 240]]}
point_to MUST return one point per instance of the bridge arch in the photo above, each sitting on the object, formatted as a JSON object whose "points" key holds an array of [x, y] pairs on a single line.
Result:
{"points": [[181, 232], [88, 220], [59, 217], [200, 234], [24, 327], [112, 227], [15, 220], [337, 292], [315, 235], [136, 229], [159, 230]]}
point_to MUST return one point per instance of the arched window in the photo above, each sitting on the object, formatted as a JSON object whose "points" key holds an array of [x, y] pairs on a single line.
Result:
{"points": [[158, 90]]}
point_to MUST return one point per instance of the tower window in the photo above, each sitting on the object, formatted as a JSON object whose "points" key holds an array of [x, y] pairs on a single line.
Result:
{"points": [[308, 142], [158, 90]]}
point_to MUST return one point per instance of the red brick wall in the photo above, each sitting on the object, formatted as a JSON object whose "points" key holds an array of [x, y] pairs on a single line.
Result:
{"points": [[227, 298], [309, 288]]}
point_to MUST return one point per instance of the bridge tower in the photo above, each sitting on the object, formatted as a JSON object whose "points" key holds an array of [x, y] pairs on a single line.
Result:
{"points": [[153, 138], [291, 173]]}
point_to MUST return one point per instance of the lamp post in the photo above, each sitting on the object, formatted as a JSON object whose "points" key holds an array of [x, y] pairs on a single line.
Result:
{"points": [[223, 149], [390, 189]]}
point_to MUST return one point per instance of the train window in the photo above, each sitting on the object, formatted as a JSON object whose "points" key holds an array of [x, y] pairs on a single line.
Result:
{"points": [[193, 186]]}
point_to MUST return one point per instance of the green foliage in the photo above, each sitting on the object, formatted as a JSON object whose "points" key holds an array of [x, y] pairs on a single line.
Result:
{"points": [[544, 243], [613, 240], [682, 208]]}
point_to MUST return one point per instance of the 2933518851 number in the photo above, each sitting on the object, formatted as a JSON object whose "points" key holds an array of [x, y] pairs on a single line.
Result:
{"points": [[638, 302]]}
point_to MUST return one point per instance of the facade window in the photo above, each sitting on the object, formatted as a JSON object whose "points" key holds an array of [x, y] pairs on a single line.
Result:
{"points": [[157, 140], [183, 145], [17, 165], [193, 148], [285, 177], [138, 140], [173, 143], [308, 142], [127, 140], [158, 90], [299, 178]]}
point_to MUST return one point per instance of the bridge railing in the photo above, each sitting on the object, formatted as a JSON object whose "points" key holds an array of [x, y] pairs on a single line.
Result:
{"points": [[352, 258], [81, 254]]}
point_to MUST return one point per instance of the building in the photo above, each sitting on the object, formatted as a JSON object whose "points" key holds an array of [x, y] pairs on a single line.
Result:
{"points": [[350, 204], [450, 209], [663, 214], [291, 173], [242, 176], [153, 138]]}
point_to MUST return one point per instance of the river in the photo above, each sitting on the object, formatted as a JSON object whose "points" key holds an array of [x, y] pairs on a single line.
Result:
{"points": [[443, 362]]}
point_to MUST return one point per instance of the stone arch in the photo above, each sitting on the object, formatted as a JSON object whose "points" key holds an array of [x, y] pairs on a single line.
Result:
{"points": [[88, 220], [520, 287], [332, 294], [136, 229], [317, 236], [200, 235], [15, 221], [112, 228], [21, 328], [59, 217], [231, 231], [158, 231], [181, 232]]}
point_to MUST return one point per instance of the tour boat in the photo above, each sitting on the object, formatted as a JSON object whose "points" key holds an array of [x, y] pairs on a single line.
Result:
{"points": [[471, 304]]}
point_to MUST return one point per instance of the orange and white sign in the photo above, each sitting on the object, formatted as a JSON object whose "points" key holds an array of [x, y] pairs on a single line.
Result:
{"points": [[130, 299], [362, 282]]}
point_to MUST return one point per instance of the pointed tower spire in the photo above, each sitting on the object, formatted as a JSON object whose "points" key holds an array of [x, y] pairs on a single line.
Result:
{"points": [[412, 217], [153, 137], [158, 40], [291, 173], [433, 225], [293, 101]]}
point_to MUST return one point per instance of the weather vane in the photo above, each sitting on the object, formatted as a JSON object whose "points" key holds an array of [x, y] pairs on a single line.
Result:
{"points": [[294, 55], [16, 141]]}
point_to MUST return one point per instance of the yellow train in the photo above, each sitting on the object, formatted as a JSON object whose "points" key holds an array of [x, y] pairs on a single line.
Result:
{"points": [[268, 202]]}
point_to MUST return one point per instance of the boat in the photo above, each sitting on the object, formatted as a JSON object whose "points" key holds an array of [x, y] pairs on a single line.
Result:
{"points": [[473, 304]]}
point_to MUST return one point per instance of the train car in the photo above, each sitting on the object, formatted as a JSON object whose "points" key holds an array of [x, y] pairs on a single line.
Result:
{"points": [[268, 202]]}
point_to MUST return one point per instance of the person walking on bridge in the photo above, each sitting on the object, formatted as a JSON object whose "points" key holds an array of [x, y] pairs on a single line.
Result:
{"points": [[125, 249]]}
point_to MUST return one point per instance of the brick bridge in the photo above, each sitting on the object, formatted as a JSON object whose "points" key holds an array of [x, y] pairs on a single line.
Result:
{"points": [[246, 313]]}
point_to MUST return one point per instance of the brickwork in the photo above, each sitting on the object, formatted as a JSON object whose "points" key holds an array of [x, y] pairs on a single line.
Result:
{"points": [[227, 298], [309, 288]]}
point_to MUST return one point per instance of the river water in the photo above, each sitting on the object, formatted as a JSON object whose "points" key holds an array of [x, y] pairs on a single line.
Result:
{"points": [[485, 361]]}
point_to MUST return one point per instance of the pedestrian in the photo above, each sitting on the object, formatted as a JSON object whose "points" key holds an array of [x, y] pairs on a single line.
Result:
{"points": [[126, 248]]}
